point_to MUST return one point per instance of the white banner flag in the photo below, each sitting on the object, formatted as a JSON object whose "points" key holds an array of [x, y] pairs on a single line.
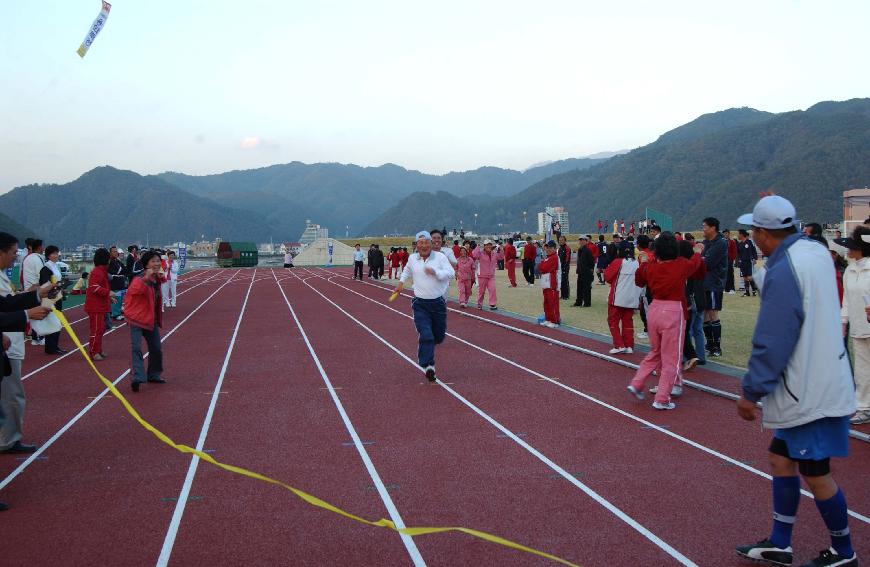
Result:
{"points": [[95, 29]]}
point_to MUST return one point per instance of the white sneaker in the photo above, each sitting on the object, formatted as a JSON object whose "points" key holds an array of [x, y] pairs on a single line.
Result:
{"points": [[636, 393], [731, 292], [617, 350], [628, 350], [642, 335], [667, 406], [676, 391], [860, 417]]}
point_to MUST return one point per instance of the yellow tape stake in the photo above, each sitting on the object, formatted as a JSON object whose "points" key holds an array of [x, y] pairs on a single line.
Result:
{"points": [[313, 500]]}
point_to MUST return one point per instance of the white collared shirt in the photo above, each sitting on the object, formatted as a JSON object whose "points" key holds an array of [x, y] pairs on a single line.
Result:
{"points": [[427, 286], [451, 257]]}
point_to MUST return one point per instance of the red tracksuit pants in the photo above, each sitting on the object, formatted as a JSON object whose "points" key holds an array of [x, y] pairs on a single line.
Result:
{"points": [[621, 315], [551, 305], [98, 327], [511, 266]]}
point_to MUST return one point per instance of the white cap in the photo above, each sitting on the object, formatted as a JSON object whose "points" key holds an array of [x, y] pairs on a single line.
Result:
{"points": [[487, 241], [423, 234], [772, 212]]}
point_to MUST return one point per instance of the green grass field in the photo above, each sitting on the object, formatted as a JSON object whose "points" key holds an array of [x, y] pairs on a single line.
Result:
{"points": [[738, 314]]}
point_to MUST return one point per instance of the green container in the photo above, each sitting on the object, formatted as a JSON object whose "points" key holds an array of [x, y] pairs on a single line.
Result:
{"points": [[237, 255]]}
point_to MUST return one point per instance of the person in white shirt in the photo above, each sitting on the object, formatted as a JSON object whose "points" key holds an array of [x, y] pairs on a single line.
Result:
{"points": [[438, 246], [431, 273], [358, 258], [30, 268], [171, 283]]}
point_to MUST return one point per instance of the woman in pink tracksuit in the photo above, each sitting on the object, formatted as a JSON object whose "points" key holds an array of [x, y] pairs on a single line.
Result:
{"points": [[464, 276], [666, 278], [486, 264]]}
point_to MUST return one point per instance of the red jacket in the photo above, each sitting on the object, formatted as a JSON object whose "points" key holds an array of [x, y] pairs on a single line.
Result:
{"points": [[395, 259], [667, 280], [530, 251], [142, 302], [456, 248], [510, 252], [403, 257], [732, 250], [97, 294], [550, 265], [594, 249]]}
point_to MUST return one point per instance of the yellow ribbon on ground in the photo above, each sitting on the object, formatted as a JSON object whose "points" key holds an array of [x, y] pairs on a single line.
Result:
{"points": [[313, 500]]}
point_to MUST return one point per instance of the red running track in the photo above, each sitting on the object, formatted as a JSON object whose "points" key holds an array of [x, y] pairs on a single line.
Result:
{"points": [[105, 490]]}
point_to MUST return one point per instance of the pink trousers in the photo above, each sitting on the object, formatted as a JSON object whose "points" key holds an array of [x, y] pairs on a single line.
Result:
{"points": [[667, 326], [464, 289], [484, 284]]}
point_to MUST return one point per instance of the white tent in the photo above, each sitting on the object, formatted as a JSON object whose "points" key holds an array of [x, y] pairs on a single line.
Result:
{"points": [[318, 254]]}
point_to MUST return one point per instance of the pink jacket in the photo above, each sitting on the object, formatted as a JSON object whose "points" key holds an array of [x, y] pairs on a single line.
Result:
{"points": [[465, 269], [486, 263]]}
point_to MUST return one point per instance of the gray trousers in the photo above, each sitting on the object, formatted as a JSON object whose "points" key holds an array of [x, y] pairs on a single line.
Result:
{"points": [[155, 354], [12, 402]]}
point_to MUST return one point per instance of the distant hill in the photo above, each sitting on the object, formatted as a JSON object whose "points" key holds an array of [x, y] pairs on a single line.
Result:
{"points": [[715, 165], [405, 217], [15, 229], [337, 195], [107, 205], [714, 123]]}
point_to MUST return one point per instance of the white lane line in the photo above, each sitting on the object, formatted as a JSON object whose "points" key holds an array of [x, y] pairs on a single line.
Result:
{"points": [[115, 327], [44, 447], [172, 531], [370, 467], [602, 403], [634, 524], [853, 433]]}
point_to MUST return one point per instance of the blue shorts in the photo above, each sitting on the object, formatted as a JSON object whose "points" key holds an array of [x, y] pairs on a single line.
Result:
{"points": [[817, 440]]}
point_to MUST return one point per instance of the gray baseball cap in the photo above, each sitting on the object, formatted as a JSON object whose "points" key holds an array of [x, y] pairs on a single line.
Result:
{"points": [[771, 212]]}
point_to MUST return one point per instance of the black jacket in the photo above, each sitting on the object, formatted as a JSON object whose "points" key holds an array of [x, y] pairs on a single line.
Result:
{"points": [[134, 267], [117, 275], [716, 257], [13, 319], [585, 261]]}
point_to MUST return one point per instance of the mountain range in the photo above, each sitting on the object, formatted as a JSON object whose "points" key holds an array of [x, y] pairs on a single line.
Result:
{"points": [[714, 165]]}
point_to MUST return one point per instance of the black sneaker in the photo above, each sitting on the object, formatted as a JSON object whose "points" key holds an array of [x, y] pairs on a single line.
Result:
{"points": [[765, 552], [830, 558], [716, 352], [430, 373]]}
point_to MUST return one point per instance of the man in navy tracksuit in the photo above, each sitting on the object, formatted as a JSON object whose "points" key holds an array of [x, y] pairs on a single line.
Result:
{"points": [[715, 255], [746, 258], [800, 369], [605, 255]]}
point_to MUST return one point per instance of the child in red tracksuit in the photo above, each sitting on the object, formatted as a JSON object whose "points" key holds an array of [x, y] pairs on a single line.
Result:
{"points": [[395, 262], [549, 268], [666, 278], [623, 300], [98, 302], [464, 276]]}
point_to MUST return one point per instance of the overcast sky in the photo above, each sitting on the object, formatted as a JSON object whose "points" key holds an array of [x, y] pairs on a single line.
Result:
{"points": [[209, 86]]}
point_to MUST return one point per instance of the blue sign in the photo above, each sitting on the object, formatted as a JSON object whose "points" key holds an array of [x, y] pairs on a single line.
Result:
{"points": [[330, 247], [182, 256]]}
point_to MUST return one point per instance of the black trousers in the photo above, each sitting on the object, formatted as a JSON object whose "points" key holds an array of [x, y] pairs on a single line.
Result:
{"points": [[584, 289], [529, 271], [729, 277], [358, 269], [566, 286]]}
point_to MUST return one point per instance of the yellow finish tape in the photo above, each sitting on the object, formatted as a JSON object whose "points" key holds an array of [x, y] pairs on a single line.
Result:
{"points": [[313, 500]]}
